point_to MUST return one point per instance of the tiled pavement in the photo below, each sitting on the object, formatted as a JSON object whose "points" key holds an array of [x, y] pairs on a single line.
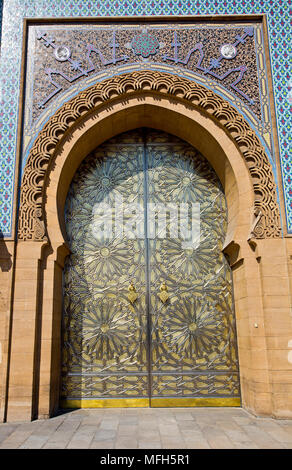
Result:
{"points": [[149, 428]]}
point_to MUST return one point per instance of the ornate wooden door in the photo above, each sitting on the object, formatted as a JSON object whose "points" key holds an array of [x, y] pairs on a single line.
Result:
{"points": [[148, 312]]}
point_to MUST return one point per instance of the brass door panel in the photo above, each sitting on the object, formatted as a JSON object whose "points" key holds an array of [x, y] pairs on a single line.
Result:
{"points": [[123, 345], [105, 336], [193, 333]]}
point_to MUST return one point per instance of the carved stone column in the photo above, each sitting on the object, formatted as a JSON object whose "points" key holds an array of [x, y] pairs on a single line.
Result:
{"points": [[50, 340], [25, 329], [274, 257], [251, 334], [6, 274]]}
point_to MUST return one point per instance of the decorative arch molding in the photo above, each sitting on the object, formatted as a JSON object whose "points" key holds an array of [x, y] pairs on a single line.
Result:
{"points": [[31, 212]]}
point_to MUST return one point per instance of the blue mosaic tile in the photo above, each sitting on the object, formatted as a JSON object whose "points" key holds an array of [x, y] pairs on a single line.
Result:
{"points": [[15, 10], [1, 11]]}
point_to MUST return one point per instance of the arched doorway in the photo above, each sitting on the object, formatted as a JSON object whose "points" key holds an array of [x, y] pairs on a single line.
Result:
{"points": [[148, 304], [228, 142]]}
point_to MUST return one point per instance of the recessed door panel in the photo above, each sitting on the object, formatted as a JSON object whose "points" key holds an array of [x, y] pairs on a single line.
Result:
{"points": [[105, 351], [146, 217], [193, 332]]}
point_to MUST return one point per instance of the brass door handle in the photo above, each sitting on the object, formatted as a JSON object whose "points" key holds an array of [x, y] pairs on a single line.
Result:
{"points": [[163, 295], [132, 295]]}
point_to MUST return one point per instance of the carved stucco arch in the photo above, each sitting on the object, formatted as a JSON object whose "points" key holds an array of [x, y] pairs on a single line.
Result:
{"points": [[31, 212]]}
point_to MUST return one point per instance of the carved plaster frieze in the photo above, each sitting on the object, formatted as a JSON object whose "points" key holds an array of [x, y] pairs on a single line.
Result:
{"points": [[31, 212]]}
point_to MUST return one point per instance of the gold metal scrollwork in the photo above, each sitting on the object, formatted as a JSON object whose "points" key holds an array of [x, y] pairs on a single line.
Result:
{"points": [[132, 295], [163, 292]]}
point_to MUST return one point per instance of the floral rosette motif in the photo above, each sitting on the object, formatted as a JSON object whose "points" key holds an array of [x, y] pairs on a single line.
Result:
{"points": [[108, 327], [145, 45], [193, 329]]}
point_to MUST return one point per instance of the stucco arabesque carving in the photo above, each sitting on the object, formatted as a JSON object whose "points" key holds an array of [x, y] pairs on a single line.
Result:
{"points": [[31, 212]]}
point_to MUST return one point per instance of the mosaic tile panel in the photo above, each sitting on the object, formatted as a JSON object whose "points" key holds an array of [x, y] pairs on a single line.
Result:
{"points": [[15, 10]]}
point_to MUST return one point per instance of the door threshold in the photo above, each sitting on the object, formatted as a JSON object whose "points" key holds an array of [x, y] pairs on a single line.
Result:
{"points": [[151, 402]]}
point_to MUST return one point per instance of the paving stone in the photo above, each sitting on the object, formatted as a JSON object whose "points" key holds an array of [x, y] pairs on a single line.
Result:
{"points": [[242, 420], [173, 443], [114, 411], [130, 420], [210, 429], [165, 419], [187, 425], [145, 428], [21, 433], [6, 430], [34, 442], [275, 431], [15, 439], [148, 417], [109, 423], [169, 429], [82, 439], [221, 442], [105, 434], [150, 435], [147, 411], [126, 443], [197, 444], [86, 429], [158, 428], [192, 434], [126, 430], [232, 411], [46, 430], [184, 416], [245, 445], [237, 435], [94, 411], [64, 433], [107, 444], [68, 426], [92, 420], [53, 445], [286, 424], [164, 411], [200, 419], [228, 425], [261, 438], [75, 416], [79, 443], [149, 444], [216, 438]]}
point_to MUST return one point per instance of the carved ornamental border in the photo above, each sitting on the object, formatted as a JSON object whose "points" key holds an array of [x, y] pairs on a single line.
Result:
{"points": [[31, 212]]}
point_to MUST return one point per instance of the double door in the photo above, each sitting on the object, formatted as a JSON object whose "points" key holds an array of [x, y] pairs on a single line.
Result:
{"points": [[148, 314]]}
